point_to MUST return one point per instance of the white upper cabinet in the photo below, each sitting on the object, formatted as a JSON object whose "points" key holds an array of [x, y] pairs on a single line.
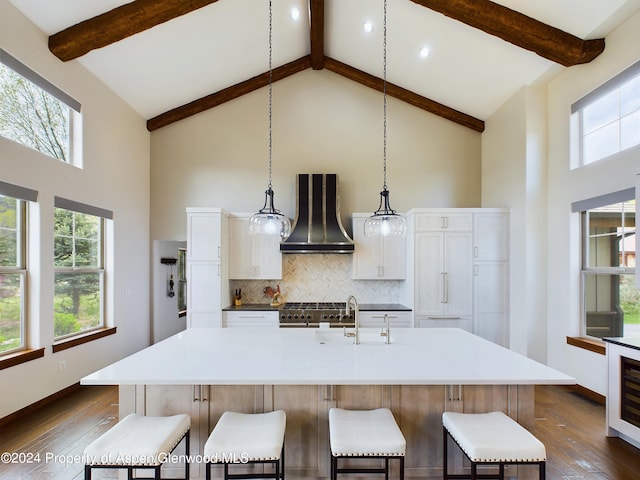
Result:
{"points": [[252, 257], [491, 237], [444, 221], [377, 258], [204, 233]]}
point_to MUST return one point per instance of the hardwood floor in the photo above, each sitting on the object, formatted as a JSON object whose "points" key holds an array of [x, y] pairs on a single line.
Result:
{"points": [[571, 426]]}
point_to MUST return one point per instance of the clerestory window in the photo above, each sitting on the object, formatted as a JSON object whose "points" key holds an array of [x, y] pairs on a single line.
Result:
{"points": [[36, 113], [607, 120]]}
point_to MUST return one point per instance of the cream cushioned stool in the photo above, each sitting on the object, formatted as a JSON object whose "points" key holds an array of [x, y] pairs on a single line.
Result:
{"points": [[243, 438], [365, 434], [492, 439], [138, 441]]}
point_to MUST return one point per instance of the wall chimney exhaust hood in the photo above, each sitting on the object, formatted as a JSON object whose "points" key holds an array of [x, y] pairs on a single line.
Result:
{"points": [[317, 227]]}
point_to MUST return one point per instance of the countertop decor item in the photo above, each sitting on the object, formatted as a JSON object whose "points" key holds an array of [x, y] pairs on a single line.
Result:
{"points": [[269, 220], [385, 221]]}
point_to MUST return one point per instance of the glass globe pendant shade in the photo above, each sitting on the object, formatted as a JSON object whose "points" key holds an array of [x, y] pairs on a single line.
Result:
{"points": [[385, 221], [269, 220]]}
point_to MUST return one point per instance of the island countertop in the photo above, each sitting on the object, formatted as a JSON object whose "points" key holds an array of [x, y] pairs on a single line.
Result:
{"points": [[271, 356]]}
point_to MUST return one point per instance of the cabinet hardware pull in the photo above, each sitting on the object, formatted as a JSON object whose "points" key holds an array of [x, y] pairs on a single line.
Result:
{"points": [[443, 317], [195, 397], [203, 397], [329, 394], [445, 287], [382, 316], [475, 251]]}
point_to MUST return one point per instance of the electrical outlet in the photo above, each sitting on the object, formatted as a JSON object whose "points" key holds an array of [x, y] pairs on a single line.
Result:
{"points": [[62, 366]]}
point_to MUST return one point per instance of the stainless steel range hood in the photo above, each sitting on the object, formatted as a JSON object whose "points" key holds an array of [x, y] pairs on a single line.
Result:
{"points": [[317, 227]]}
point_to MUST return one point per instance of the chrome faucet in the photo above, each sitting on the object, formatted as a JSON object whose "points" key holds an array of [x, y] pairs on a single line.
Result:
{"points": [[356, 318], [386, 332]]}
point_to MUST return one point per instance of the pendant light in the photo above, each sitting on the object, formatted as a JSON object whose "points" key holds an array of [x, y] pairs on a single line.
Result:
{"points": [[268, 220], [385, 221]]}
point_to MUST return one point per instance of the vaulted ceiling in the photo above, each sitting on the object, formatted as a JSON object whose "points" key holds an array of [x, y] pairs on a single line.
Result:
{"points": [[171, 59]]}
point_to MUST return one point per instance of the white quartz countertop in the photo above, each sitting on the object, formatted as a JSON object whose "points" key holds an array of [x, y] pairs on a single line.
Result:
{"points": [[294, 356]]}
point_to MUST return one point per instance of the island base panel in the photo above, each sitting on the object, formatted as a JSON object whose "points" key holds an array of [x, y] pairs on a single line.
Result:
{"points": [[417, 408]]}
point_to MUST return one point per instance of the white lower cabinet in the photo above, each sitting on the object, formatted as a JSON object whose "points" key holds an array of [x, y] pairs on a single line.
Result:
{"points": [[250, 318], [443, 321], [491, 292], [397, 319]]}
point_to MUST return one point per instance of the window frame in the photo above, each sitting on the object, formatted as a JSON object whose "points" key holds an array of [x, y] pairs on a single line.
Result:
{"points": [[586, 270], [24, 196], [577, 115], [100, 269], [21, 270]]}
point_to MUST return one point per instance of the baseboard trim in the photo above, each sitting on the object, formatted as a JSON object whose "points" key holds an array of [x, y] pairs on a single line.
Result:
{"points": [[590, 394], [39, 404]]}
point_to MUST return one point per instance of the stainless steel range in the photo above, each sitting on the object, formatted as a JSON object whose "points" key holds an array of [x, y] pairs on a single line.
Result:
{"points": [[311, 314]]}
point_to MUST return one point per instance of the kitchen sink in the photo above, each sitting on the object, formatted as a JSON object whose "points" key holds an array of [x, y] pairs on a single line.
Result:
{"points": [[336, 336]]}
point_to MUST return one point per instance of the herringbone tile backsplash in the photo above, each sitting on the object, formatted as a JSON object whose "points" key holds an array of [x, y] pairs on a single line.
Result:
{"points": [[320, 278]]}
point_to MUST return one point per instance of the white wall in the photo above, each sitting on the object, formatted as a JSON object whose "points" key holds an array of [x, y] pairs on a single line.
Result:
{"points": [[566, 186], [322, 123], [115, 149], [514, 176]]}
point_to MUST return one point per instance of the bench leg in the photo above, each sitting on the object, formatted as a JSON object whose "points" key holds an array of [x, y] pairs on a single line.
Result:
{"points": [[543, 469], [445, 469]]}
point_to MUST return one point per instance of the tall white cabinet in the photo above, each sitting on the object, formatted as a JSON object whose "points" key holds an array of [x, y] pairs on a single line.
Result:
{"points": [[460, 270], [207, 266], [443, 270], [491, 276]]}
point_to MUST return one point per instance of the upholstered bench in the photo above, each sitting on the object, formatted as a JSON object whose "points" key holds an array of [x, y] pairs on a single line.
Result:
{"points": [[138, 441], [247, 438], [365, 434], [491, 439]]}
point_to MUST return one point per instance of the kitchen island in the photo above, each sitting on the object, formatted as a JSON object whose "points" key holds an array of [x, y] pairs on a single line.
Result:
{"points": [[419, 375]]}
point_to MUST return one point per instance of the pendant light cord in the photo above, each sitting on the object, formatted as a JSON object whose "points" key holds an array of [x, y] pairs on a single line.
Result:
{"points": [[270, 87], [384, 94]]}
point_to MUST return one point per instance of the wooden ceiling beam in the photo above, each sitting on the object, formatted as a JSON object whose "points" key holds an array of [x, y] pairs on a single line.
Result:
{"points": [[118, 24], [317, 34], [227, 94], [403, 94], [519, 29]]}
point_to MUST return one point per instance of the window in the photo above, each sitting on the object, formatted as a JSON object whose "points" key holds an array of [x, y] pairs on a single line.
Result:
{"points": [[607, 120], [35, 112], [13, 266], [611, 301], [78, 268]]}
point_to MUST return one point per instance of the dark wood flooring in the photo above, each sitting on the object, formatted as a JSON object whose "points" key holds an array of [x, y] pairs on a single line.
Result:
{"points": [[571, 426]]}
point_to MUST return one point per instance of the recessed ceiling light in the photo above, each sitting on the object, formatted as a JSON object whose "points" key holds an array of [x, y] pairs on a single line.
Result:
{"points": [[424, 52], [295, 13], [368, 27]]}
